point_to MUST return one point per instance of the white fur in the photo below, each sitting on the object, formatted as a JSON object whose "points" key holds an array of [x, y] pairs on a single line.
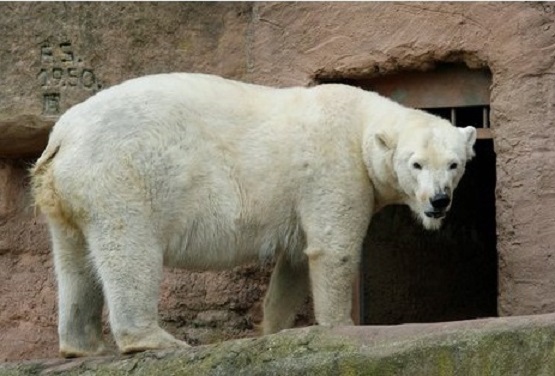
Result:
{"points": [[200, 172]]}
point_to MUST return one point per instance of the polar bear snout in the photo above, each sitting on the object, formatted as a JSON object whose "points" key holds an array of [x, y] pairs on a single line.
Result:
{"points": [[440, 201], [440, 205]]}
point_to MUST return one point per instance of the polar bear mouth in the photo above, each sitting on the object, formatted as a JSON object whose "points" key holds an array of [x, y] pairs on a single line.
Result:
{"points": [[435, 214]]}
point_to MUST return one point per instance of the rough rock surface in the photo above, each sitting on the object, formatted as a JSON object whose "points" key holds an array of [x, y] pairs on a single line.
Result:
{"points": [[493, 347], [54, 55]]}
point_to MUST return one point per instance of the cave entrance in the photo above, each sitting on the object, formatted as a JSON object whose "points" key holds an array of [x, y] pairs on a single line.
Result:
{"points": [[409, 274]]}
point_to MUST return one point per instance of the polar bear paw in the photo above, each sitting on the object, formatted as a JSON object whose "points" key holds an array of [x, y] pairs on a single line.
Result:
{"points": [[67, 351], [152, 340]]}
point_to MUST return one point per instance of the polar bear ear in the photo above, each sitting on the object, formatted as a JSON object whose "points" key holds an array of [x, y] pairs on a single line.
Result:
{"points": [[385, 140], [470, 135]]}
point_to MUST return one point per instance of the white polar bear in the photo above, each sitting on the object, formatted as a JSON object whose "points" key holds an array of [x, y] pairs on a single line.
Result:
{"points": [[200, 172]]}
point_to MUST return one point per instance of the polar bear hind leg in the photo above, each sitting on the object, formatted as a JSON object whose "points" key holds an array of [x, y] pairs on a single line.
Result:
{"points": [[80, 298], [288, 289], [129, 262]]}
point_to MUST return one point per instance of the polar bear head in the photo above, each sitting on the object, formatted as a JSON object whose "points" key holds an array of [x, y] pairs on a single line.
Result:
{"points": [[428, 158]]}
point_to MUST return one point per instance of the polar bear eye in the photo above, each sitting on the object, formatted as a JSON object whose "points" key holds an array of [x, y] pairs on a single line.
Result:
{"points": [[453, 166], [417, 166]]}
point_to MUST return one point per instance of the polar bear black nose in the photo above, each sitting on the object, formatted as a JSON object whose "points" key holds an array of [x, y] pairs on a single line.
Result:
{"points": [[440, 201]]}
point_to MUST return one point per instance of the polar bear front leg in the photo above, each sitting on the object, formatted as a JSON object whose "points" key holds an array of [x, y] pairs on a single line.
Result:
{"points": [[286, 293], [335, 212], [129, 262], [332, 274]]}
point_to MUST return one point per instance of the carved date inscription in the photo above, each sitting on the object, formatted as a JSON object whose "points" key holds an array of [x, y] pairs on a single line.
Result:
{"points": [[60, 70]]}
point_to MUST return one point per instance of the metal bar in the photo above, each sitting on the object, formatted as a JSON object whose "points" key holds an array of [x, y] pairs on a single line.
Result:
{"points": [[453, 116], [485, 118]]}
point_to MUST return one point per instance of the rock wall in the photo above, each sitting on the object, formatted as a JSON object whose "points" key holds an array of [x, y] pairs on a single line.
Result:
{"points": [[54, 55]]}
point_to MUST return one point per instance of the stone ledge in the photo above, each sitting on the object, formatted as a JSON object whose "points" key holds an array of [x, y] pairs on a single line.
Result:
{"points": [[24, 136], [502, 346]]}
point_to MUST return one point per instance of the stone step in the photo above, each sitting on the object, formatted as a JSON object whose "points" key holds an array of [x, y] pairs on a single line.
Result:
{"points": [[24, 135]]}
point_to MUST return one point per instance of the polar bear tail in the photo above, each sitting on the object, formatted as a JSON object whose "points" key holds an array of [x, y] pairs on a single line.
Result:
{"points": [[43, 186]]}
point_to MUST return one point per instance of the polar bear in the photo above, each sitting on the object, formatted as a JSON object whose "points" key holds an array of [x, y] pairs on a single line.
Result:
{"points": [[200, 172]]}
